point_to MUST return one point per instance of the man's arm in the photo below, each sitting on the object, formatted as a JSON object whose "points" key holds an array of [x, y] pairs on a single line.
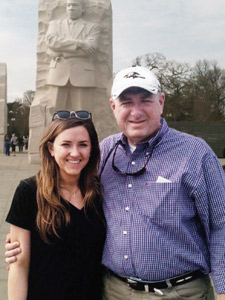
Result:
{"points": [[18, 273], [209, 198], [12, 250]]}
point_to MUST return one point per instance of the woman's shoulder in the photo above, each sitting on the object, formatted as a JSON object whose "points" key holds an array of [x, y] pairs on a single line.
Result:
{"points": [[23, 209], [29, 183]]}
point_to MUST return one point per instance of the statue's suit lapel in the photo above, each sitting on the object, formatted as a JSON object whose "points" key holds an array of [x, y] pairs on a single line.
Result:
{"points": [[69, 32]]}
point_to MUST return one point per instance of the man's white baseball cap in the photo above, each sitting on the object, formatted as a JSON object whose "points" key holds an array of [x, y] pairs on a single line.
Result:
{"points": [[135, 77]]}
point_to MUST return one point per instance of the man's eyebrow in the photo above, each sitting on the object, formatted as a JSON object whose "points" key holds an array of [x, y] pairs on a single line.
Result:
{"points": [[146, 95], [142, 95], [124, 97]]}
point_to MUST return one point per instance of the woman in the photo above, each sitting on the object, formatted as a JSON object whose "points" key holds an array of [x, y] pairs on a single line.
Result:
{"points": [[57, 216]]}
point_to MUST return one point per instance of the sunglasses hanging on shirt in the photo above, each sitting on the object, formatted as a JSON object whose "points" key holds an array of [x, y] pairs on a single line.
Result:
{"points": [[137, 173], [117, 170]]}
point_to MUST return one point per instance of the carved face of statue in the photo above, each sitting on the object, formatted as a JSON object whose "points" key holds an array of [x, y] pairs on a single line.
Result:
{"points": [[74, 9]]}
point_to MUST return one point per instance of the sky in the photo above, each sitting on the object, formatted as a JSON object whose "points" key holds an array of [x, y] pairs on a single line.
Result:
{"points": [[185, 31]]}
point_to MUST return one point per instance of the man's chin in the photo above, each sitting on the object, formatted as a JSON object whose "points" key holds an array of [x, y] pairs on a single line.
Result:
{"points": [[136, 138]]}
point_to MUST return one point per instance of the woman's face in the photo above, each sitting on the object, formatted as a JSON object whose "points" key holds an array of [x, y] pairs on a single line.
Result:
{"points": [[71, 150]]}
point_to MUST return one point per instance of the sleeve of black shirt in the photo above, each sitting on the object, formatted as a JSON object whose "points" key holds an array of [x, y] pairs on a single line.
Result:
{"points": [[23, 208]]}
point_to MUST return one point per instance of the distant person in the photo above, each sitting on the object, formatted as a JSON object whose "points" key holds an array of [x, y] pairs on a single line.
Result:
{"points": [[14, 141], [72, 43], [57, 217], [20, 143], [7, 144], [25, 142]]}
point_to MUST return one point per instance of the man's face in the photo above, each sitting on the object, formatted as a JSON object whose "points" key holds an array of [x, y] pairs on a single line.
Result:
{"points": [[74, 9], [138, 115]]}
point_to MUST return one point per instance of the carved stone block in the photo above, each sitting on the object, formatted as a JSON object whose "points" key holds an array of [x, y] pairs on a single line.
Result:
{"points": [[74, 65], [3, 104]]}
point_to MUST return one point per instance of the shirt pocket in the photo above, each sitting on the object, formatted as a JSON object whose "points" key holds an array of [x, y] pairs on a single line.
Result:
{"points": [[160, 203]]}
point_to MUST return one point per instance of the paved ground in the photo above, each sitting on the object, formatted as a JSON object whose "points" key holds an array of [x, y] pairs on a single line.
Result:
{"points": [[12, 170]]}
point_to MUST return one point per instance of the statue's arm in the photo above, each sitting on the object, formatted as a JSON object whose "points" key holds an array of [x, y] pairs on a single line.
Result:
{"points": [[90, 44], [57, 43], [67, 47]]}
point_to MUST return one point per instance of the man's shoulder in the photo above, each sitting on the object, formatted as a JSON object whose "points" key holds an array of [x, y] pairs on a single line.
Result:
{"points": [[109, 142], [187, 140], [57, 22], [111, 139], [185, 136]]}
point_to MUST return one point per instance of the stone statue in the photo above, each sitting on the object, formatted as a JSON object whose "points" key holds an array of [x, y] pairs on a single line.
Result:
{"points": [[74, 65], [72, 43]]}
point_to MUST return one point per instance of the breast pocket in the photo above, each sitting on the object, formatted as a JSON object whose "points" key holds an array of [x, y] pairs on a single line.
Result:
{"points": [[160, 202]]}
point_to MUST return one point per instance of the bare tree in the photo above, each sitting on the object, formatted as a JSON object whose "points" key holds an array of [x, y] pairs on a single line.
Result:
{"points": [[193, 94], [208, 81], [28, 97], [18, 118]]}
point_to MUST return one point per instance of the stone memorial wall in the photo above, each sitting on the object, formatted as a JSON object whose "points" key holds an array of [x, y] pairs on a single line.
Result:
{"points": [[3, 104]]}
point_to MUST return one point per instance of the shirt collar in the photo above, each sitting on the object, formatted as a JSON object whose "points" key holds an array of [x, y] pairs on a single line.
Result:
{"points": [[77, 21]]}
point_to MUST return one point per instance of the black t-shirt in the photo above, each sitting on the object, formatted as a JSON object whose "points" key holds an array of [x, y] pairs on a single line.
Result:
{"points": [[69, 268]]}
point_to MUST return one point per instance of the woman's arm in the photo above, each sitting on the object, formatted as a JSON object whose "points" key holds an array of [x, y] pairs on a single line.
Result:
{"points": [[18, 273], [12, 250]]}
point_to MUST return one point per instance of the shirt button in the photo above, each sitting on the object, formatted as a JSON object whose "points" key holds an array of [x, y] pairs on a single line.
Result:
{"points": [[133, 163], [130, 185], [127, 208], [124, 232], [125, 256]]}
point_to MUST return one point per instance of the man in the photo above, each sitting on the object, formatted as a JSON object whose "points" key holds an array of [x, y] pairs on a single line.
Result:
{"points": [[71, 43], [164, 202]]}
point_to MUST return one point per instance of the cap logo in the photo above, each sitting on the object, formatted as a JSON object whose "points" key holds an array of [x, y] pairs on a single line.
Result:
{"points": [[133, 75]]}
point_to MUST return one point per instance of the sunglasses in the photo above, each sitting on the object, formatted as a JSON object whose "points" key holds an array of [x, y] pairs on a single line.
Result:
{"points": [[139, 172], [65, 114]]}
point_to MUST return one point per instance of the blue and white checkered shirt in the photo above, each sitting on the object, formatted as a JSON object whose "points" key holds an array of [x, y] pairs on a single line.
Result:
{"points": [[171, 219]]}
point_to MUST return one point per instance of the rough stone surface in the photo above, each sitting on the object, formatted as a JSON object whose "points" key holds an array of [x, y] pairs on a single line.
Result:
{"points": [[51, 96], [3, 104]]}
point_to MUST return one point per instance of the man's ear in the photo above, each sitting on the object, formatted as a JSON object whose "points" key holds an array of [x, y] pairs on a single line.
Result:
{"points": [[50, 148], [112, 103], [162, 101]]}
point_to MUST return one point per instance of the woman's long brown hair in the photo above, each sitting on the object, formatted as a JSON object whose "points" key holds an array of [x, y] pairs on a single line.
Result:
{"points": [[52, 214]]}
